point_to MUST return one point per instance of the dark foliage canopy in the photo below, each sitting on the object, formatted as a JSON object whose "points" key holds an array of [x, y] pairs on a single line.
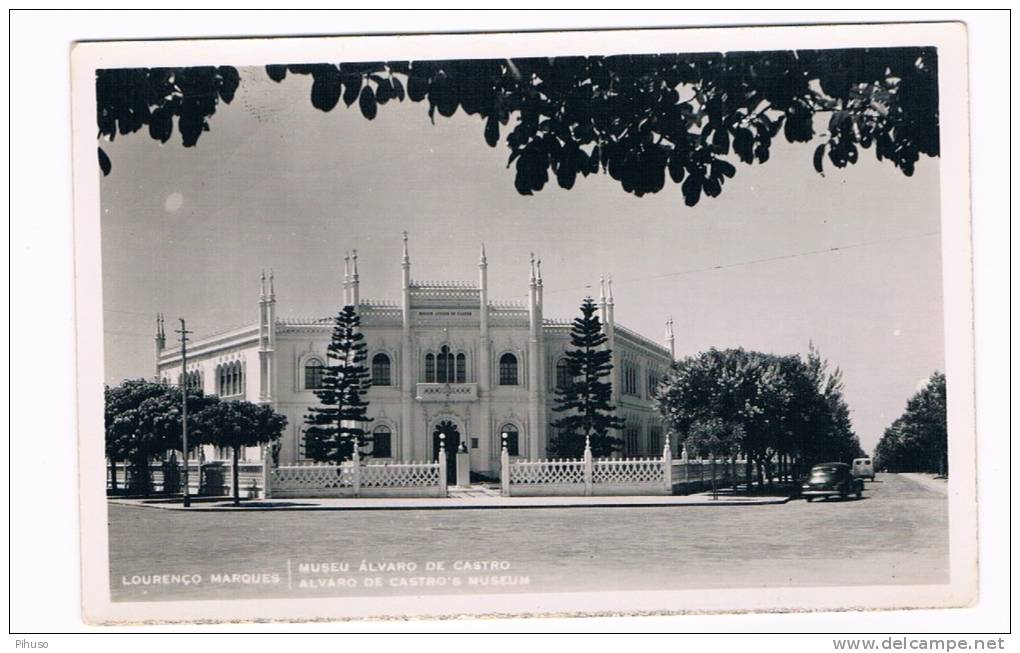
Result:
{"points": [[643, 119], [128, 99], [143, 419], [586, 398], [722, 401], [918, 440]]}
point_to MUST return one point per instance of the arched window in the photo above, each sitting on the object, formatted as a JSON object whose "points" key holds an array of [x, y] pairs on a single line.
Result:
{"points": [[445, 371], [508, 433], [563, 375], [221, 380], [382, 442], [508, 369], [235, 379], [461, 368], [430, 368], [313, 374], [381, 369]]}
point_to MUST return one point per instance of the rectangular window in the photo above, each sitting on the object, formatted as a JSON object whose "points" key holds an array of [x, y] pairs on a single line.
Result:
{"points": [[631, 440], [654, 439], [381, 445]]}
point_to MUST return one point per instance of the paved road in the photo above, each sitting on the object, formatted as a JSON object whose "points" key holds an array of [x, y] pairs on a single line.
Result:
{"points": [[897, 534]]}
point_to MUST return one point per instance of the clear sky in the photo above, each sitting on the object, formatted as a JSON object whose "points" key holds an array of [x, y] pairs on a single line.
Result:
{"points": [[279, 184]]}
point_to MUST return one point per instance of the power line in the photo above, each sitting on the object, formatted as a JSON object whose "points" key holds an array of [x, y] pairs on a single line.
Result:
{"points": [[781, 257]]}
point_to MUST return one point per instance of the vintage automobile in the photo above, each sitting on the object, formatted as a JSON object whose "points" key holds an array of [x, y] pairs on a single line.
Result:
{"points": [[831, 480], [864, 468]]}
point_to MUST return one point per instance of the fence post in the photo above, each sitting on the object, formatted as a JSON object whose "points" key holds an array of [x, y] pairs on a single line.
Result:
{"points": [[588, 467], [667, 467], [356, 470], [504, 470], [267, 473], [441, 461]]}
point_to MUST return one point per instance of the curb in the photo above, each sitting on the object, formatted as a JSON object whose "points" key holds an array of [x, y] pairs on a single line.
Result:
{"points": [[453, 506]]}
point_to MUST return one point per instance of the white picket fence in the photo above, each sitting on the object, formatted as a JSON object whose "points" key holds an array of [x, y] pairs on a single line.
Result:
{"points": [[587, 476], [356, 479]]}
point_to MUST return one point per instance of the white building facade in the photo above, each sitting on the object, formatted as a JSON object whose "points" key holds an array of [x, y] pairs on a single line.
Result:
{"points": [[445, 360]]}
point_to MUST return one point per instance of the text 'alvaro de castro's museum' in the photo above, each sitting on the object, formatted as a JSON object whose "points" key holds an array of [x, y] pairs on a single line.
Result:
{"points": [[444, 360]]}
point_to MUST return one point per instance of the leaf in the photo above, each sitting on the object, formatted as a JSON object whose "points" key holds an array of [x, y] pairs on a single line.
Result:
{"points": [[417, 86], [398, 88], [692, 190], [676, 168], [743, 144], [798, 128], [722, 168], [492, 131], [384, 91], [104, 162], [367, 102], [161, 124], [352, 89], [721, 141], [276, 72], [326, 89], [819, 154]]}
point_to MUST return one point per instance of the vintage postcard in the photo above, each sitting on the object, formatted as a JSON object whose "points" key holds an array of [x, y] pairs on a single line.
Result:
{"points": [[638, 321]]}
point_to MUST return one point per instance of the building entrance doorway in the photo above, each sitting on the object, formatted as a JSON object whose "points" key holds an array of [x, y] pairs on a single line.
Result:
{"points": [[451, 442]]}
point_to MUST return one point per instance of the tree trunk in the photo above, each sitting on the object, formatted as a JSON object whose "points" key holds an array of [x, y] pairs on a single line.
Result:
{"points": [[113, 476], [715, 491], [747, 472], [237, 484]]}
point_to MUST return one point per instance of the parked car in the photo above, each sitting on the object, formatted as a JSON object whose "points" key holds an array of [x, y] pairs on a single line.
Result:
{"points": [[831, 480], [864, 468]]}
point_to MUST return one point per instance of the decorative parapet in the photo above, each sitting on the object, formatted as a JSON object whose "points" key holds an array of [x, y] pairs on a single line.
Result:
{"points": [[443, 285], [446, 392], [639, 339]]}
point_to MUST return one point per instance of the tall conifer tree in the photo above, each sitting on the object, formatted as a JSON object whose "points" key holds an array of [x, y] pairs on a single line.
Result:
{"points": [[336, 422], [585, 398]]}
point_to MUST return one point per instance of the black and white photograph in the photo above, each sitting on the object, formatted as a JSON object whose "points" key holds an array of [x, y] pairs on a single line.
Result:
{"points": [[630, 321]]}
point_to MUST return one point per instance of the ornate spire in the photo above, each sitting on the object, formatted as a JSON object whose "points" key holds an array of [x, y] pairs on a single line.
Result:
{"points": [[262, 286], [481, 256], [538, 266], [354, 268], [609, 285], [532, 278], [602, 288], [272, 289], [405, 259], [347, 268]]}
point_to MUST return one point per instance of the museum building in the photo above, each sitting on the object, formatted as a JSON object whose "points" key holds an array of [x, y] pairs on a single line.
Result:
{"points": [[445, 360]]}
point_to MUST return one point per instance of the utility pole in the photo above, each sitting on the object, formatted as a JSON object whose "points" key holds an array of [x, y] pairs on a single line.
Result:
{"points": [[184, 408]]}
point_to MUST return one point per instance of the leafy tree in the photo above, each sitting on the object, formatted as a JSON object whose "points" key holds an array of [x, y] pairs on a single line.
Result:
{"points": [[716, 438], [334, 425], [586, 398], [143, 422], [236, 424], [918, 439], [786, 410], [638, 118]]}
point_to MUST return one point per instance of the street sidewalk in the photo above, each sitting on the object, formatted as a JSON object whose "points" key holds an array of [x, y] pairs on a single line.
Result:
{"points": [[459, 499], [929, 481]]}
